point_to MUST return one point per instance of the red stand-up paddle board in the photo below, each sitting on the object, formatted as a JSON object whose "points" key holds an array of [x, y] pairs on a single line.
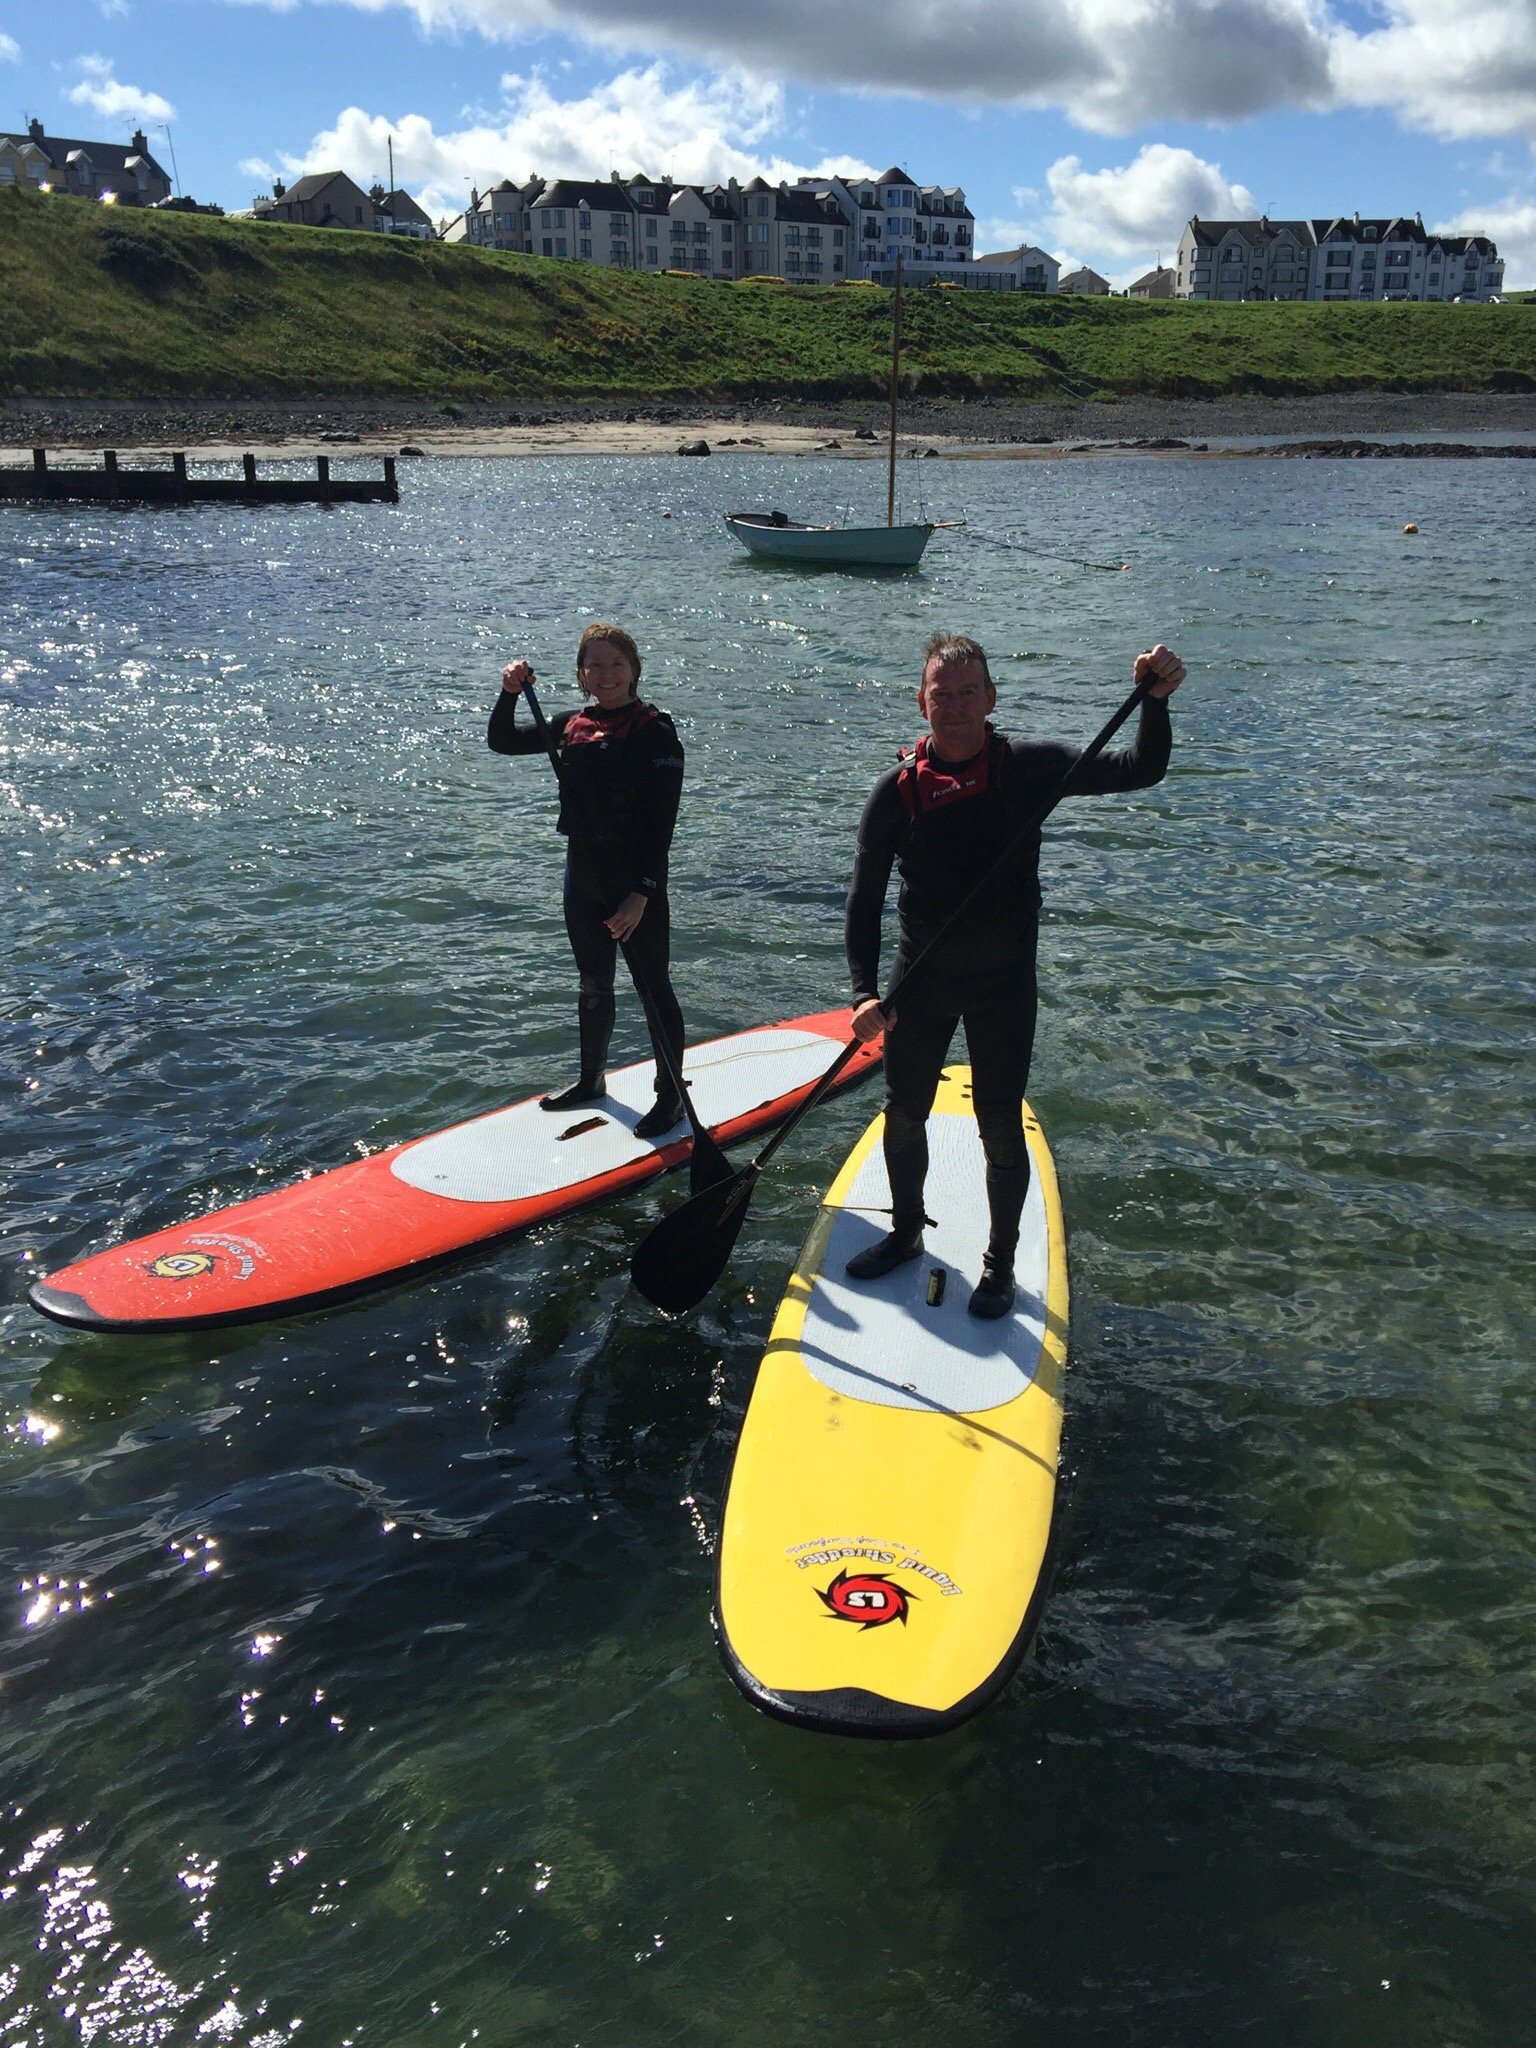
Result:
{"points": [[417, 1204]]}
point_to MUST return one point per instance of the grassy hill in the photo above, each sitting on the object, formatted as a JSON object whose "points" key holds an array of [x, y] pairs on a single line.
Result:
{"points": [[122, 304]]}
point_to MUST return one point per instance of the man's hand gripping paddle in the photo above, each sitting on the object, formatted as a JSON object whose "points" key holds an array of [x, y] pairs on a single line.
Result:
{"points": [[677, 1262], [708, 1166]]}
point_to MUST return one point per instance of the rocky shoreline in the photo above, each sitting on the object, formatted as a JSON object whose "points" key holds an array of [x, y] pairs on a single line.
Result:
{"points": [[1169, 425]]}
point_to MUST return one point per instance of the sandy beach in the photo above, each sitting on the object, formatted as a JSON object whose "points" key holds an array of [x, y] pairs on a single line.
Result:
{"points": [[847, 430]]}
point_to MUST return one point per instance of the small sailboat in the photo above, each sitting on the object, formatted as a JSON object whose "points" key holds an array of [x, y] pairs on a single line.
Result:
{"points": [[777, 538]]}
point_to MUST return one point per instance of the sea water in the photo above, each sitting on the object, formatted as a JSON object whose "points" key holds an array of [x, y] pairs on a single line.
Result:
{"points": [[356, 1679]]}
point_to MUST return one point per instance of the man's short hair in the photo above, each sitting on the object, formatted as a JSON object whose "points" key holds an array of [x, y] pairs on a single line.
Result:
{"points": [[949, 650]]}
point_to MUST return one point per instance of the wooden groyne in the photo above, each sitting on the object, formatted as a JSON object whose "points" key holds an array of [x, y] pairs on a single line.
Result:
{"points": [[114, 485]]}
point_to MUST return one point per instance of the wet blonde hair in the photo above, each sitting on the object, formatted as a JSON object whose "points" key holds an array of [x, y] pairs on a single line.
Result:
{"points": [[604, 629]]}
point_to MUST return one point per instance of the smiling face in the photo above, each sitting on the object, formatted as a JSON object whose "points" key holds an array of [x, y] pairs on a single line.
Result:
{"points": [[607, 674], [957, 699]]}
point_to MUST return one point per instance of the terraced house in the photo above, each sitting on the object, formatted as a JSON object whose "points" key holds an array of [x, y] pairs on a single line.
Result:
{"points": [[815, 231], [1342, 258]]}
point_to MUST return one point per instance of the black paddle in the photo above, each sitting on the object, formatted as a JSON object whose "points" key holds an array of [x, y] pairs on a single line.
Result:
{"points": [[708, 1166], [677, 1262]]}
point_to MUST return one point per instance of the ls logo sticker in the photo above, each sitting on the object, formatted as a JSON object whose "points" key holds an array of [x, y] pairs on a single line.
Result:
{"points": [[181, 1265], [868, 1598]]}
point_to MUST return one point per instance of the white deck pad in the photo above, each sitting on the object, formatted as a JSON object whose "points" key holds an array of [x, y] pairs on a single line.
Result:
{"points": [[881, 1341], [525, 1151]]}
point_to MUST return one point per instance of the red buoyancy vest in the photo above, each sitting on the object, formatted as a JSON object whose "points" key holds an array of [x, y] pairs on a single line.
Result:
{"points": [[585, 725], [927, 784]]}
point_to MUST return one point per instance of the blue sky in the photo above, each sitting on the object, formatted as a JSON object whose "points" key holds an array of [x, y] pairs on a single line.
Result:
{"points": [[1094, 127]]}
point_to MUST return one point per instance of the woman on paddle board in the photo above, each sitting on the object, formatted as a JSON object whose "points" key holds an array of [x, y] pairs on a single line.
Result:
{"points": [[944, 817], [621, 775]]}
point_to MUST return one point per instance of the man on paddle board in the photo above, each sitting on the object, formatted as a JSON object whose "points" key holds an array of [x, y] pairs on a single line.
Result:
{"points": [[621, 777], [943, 816]]}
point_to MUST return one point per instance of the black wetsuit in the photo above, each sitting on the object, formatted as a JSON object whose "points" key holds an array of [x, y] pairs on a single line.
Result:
{"points": [[621, 776], [984, 972]]}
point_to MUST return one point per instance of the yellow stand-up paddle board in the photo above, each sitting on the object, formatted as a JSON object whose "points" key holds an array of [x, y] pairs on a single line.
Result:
{"points": [[883, 1555]]}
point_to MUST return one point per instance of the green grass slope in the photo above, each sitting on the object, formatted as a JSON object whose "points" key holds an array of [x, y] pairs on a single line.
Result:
{"points": [[121, 304]]}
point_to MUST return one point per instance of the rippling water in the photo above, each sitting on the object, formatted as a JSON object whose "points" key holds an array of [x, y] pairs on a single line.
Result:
{"points": [[356, 1680]]}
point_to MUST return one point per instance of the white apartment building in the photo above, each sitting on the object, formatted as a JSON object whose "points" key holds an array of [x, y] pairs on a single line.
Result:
{"points": [[1342, 258], [929, 226]]}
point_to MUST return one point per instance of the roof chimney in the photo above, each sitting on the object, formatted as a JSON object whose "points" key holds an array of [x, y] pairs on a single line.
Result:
{"points": [[35, 129], [278, 188], [139, 142]]}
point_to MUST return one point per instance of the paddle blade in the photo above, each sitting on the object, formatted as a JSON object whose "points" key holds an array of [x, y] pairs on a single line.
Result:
{"points": [[708, 1167], [678, 1262]]}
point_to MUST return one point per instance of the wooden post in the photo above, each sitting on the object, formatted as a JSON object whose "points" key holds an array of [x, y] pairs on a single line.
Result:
{"points": [[323, 474], [40, 471], [389, 479], [250, 473], [109, 461], [890, 487], [179, 465]]}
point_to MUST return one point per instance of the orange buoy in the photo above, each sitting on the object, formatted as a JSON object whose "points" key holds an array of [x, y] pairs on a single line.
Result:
{"points": [[1410, 527]]}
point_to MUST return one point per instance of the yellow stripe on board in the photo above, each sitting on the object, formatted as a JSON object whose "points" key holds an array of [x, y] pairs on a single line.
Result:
{"points": [[944, 1517]]}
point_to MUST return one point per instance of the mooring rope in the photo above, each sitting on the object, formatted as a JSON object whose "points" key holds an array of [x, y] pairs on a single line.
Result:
{"points": [[1022, 547]]}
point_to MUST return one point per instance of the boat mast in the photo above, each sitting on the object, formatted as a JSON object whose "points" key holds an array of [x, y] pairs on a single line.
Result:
{"points": [[890, 490]]}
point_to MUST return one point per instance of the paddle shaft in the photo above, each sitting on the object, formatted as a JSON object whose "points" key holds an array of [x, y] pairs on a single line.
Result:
{"points": [[663, 1049], [922, 960]]}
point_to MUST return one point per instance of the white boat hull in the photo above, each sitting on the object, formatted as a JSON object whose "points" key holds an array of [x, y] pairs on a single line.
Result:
{"points": [[839, 547]]}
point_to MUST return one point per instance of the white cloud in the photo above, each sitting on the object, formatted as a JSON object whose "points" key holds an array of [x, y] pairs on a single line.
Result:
{"points": [[10, 49], [111, 8], [1121, 220], [701, 132], [99, 90], [1455, 67], [1140, 208]]}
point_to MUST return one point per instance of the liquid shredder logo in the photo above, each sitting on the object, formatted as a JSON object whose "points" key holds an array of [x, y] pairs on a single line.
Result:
{"points": [[868, 1598]]}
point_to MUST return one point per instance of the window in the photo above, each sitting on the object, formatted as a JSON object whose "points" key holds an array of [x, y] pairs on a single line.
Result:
{"points": [[549, 247], [762, 209], [559, 245], [618, 223], [701, 231], [679, 231], [650, 231], [837, 262], [357, 213], [792, 261], [760, 234], [584, 220], [618, 252], [727, 231], [813, 238], [584, 246], [792, 237], [837, 238], [652, 254]]}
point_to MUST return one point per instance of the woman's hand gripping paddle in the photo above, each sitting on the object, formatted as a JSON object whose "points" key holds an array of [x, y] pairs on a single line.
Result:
{"points": [[676, 1264], [708, 1166]]}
